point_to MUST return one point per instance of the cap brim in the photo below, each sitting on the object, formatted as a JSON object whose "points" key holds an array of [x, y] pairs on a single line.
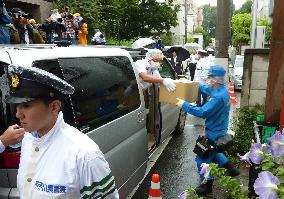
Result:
{"points": [[18, 100]]}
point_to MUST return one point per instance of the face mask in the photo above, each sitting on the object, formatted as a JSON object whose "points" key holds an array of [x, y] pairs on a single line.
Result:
{"points": [[210, 81], [154, 65]]}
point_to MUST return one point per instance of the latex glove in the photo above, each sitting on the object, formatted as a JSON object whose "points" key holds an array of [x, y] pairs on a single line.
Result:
{"points": [[179, 102], [169, 84]]}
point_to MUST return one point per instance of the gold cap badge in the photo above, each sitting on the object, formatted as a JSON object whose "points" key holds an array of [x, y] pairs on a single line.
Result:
{"points": [[15, 81]]}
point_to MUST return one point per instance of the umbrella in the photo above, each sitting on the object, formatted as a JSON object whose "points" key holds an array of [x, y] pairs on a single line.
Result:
{"points": [[182, 53], [191, 46], [141, 42]]}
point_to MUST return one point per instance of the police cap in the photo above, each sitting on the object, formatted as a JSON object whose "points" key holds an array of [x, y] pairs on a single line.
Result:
{"points": [[30, 83], [217, 71]]}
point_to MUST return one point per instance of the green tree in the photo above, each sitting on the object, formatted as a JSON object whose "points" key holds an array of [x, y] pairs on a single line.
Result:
{"points": [[245, 8], [268, 28], [241, 27], [206, 37], [209, 20], [125, 19]]}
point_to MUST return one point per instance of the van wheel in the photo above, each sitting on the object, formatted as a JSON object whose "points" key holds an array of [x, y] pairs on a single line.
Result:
{"points": [[181, 123]]}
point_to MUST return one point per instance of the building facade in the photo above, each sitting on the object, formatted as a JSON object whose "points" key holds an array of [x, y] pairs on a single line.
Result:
{"points": [[39, 9], [194, 19]]}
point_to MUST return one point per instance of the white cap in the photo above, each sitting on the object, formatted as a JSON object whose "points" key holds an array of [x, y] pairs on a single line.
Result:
{"points": [[201, 50], [154, 53]]}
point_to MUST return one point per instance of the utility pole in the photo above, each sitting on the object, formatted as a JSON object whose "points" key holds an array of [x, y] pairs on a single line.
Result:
{"points": [[185, 21], [253, 27], [222, 33], [275, 81]]}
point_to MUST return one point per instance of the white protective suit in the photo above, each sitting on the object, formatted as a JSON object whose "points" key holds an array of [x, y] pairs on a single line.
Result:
{"points": [[63, 164], [144, 66]]}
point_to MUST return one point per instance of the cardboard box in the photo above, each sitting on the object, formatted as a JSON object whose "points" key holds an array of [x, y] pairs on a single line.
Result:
{"points": [[185, 89]]}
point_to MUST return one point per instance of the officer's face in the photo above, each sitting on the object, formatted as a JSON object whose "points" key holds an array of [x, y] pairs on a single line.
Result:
{"points": [[38, 116]]}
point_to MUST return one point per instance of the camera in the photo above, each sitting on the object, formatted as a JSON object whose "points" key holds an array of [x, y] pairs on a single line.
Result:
{"points": [[70, 16]]}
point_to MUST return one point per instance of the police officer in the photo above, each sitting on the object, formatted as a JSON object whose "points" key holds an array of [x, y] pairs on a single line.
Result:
{"points": [[202, 67], [13, 135], [148, 71], [57, 160], [216, 115]]}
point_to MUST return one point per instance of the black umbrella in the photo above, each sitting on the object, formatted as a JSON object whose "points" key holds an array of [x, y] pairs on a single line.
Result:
{"points": [[182, 53]]}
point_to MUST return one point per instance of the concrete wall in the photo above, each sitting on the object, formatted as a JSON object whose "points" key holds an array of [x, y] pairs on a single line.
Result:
{"points": [[256, 62]]}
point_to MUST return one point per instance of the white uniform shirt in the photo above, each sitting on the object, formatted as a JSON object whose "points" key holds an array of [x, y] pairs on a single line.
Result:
{"points": [[193, 58], [2, 147], [202, 68], [211, 59], [144, 66], [63, 164]]}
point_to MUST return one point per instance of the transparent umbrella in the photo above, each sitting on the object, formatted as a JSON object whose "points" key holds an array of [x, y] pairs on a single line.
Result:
{"points": [[141, 42], [191, 46]]}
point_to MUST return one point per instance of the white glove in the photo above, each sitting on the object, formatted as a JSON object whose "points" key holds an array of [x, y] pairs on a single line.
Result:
{"points": [[169, 84], [179, 102]]}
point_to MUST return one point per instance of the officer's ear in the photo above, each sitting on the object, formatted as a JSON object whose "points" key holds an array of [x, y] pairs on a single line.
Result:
{"points": [[55, 106]]}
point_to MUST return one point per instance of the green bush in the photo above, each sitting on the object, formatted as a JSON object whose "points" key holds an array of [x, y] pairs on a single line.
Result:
{"points": [[113, 41], [243, 126]]}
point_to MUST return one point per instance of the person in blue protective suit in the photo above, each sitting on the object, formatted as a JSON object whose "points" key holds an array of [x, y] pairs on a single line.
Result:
{"points": [[216, 114]]}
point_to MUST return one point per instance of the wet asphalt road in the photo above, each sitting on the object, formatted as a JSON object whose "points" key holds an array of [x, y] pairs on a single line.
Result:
{"points": [[176, 165]]}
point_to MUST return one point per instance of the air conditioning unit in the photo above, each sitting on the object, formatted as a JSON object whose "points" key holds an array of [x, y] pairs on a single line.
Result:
{"points": [[260, 37]]}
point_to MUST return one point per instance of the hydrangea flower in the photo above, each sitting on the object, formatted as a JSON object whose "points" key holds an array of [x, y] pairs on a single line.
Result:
{"points": [[266, 185], [183, 195], [244, 158], [256, 153], [205, 170], [277, 144], [266, 148]]}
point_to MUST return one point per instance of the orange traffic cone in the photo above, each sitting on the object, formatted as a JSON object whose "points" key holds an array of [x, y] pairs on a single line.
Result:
{"points": [[155, 191], [233, 99]]}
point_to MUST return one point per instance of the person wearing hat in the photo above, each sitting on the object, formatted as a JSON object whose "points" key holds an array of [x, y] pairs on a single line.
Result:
{"points": [[98, 38], [27, 33], [148, 71], [57, 160], [216, 114], [202, 66], [158, 43], [70, 25]]}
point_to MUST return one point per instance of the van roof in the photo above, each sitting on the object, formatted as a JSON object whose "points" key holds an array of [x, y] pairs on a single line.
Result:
{"points": [[26, 55]]}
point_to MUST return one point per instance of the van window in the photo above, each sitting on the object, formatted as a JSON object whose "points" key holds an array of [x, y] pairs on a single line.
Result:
{"points": [[105, 89], [166, 69]]}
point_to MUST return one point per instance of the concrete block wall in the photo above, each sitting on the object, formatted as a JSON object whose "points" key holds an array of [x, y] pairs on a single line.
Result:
{"points": [[256, 62]]}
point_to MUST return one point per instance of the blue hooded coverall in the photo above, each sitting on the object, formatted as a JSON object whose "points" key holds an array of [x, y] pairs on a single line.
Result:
{"points": [[216, 115]]}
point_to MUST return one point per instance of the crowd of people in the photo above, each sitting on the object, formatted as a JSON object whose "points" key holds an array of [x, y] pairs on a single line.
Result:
{"points": [[18, 27]]}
